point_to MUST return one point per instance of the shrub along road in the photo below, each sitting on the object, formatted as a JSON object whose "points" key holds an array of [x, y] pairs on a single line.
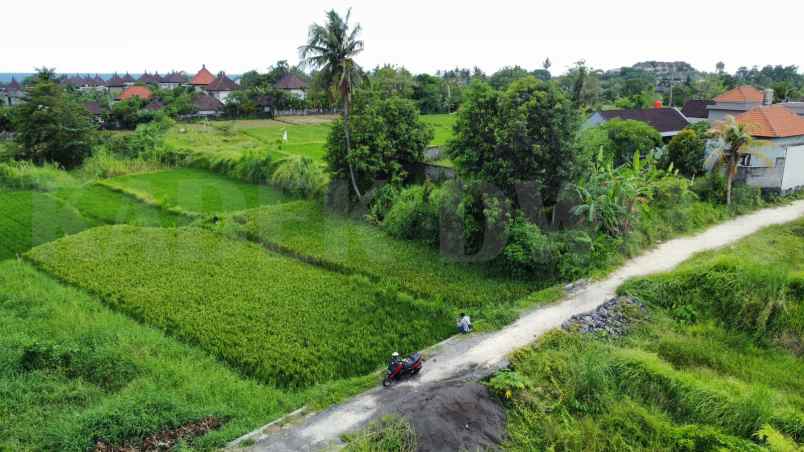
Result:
{"points": [[480, 355]]}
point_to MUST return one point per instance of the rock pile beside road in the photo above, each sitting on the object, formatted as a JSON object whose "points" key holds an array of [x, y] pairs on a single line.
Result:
{"points": [[612, 318]]}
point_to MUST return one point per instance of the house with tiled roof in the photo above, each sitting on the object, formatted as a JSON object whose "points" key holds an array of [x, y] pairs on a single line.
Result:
{"points": [[292, 84], [795, 107], [667, 121], [202, 78], [738, 101], [149, 79], [128, 80], [12, 93], [143, 92], [696, 110], [206, 105], [221, 87], [779, 163], [172, 80], [115, 85]]}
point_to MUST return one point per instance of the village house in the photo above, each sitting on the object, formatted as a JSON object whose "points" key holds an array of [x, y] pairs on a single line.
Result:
{"points": [[779, 163], [115, 85], [696, 110], [12, 93], [202, 79], [143, 92], [149, 79], [206, 105], [293, 85], [128, 80], [795, 107], [667, 121], [172, 80], [221, 87], [738, 101]]}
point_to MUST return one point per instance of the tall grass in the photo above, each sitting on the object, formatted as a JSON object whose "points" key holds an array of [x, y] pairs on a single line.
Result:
{"points": [[713, 368], [24, 175], [104, 164]]}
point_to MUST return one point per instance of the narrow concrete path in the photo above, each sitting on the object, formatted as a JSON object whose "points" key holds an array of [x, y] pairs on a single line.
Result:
{"points": [[480, 355]]}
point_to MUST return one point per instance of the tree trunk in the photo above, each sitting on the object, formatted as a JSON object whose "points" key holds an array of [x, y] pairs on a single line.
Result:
{"points": [[730, 177], [347, 134]]}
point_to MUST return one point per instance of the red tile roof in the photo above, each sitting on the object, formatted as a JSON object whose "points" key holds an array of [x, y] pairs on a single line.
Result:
{"points": [[741, 94], [203, 77], [136, 91], [774, 121]]}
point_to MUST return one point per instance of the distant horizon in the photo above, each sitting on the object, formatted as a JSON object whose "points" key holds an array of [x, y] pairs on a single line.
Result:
{"points": [[7, 75]]}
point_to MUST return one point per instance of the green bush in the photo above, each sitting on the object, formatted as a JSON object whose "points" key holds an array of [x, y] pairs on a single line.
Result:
{"points": [[300, 176], [530, 252], [252, 166], [415, 214]]}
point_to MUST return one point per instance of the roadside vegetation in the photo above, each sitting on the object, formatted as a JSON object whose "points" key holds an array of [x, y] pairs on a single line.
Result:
{"points": [[715, 365]]}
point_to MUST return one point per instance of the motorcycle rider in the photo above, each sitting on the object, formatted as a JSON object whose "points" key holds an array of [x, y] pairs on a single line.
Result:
{"points": [[394, 360]]}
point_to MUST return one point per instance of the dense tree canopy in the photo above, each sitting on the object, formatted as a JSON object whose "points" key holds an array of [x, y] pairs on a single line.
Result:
{"points": [[52, 126], [386, 134], [686, 150], [627, 137], [523, 135]]}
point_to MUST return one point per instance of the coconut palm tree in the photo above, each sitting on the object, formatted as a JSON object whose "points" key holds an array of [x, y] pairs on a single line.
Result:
{"points": [[331, 48], [735, 141]]}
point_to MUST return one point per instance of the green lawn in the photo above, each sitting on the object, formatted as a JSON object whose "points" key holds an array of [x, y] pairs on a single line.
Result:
{"points": [[307, 137], [307, 140], [442, 126], [713, 363], [197, 191], [304, 229], [272, 317], [30, 218]]}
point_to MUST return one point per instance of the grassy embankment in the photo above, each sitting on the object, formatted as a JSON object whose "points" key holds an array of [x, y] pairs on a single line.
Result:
{"points": [[305, 136], [717, 361]]}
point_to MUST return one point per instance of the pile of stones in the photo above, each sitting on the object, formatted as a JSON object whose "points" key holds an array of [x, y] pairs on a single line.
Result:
{"points": [[612, 318]]}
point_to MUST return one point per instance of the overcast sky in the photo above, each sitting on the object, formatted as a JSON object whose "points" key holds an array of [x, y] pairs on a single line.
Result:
{"points": [[424, 36]]}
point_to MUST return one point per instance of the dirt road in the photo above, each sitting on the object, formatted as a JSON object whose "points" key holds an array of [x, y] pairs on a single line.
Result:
{"points": [[476, 356]]}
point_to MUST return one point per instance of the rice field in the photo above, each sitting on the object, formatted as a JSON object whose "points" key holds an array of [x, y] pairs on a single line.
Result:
{"points": [[196, 191]]}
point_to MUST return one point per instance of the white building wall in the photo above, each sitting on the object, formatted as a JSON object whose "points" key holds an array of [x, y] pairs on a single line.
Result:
{"points": [[793, 168]]}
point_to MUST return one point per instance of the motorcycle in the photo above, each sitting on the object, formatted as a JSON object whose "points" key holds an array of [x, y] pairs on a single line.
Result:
{"points": [[408, 367]]}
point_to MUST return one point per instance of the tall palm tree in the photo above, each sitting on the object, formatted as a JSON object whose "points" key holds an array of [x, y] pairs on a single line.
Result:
{"points": [[331, 48], [736, 141]]}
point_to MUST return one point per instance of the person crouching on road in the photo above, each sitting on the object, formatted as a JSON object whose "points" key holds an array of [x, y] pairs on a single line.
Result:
{"points": [[464, 324]]}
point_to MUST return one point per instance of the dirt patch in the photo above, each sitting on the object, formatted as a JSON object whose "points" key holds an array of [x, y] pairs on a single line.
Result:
{"points": [[309, 119], [454, 416], [165, 440]]}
